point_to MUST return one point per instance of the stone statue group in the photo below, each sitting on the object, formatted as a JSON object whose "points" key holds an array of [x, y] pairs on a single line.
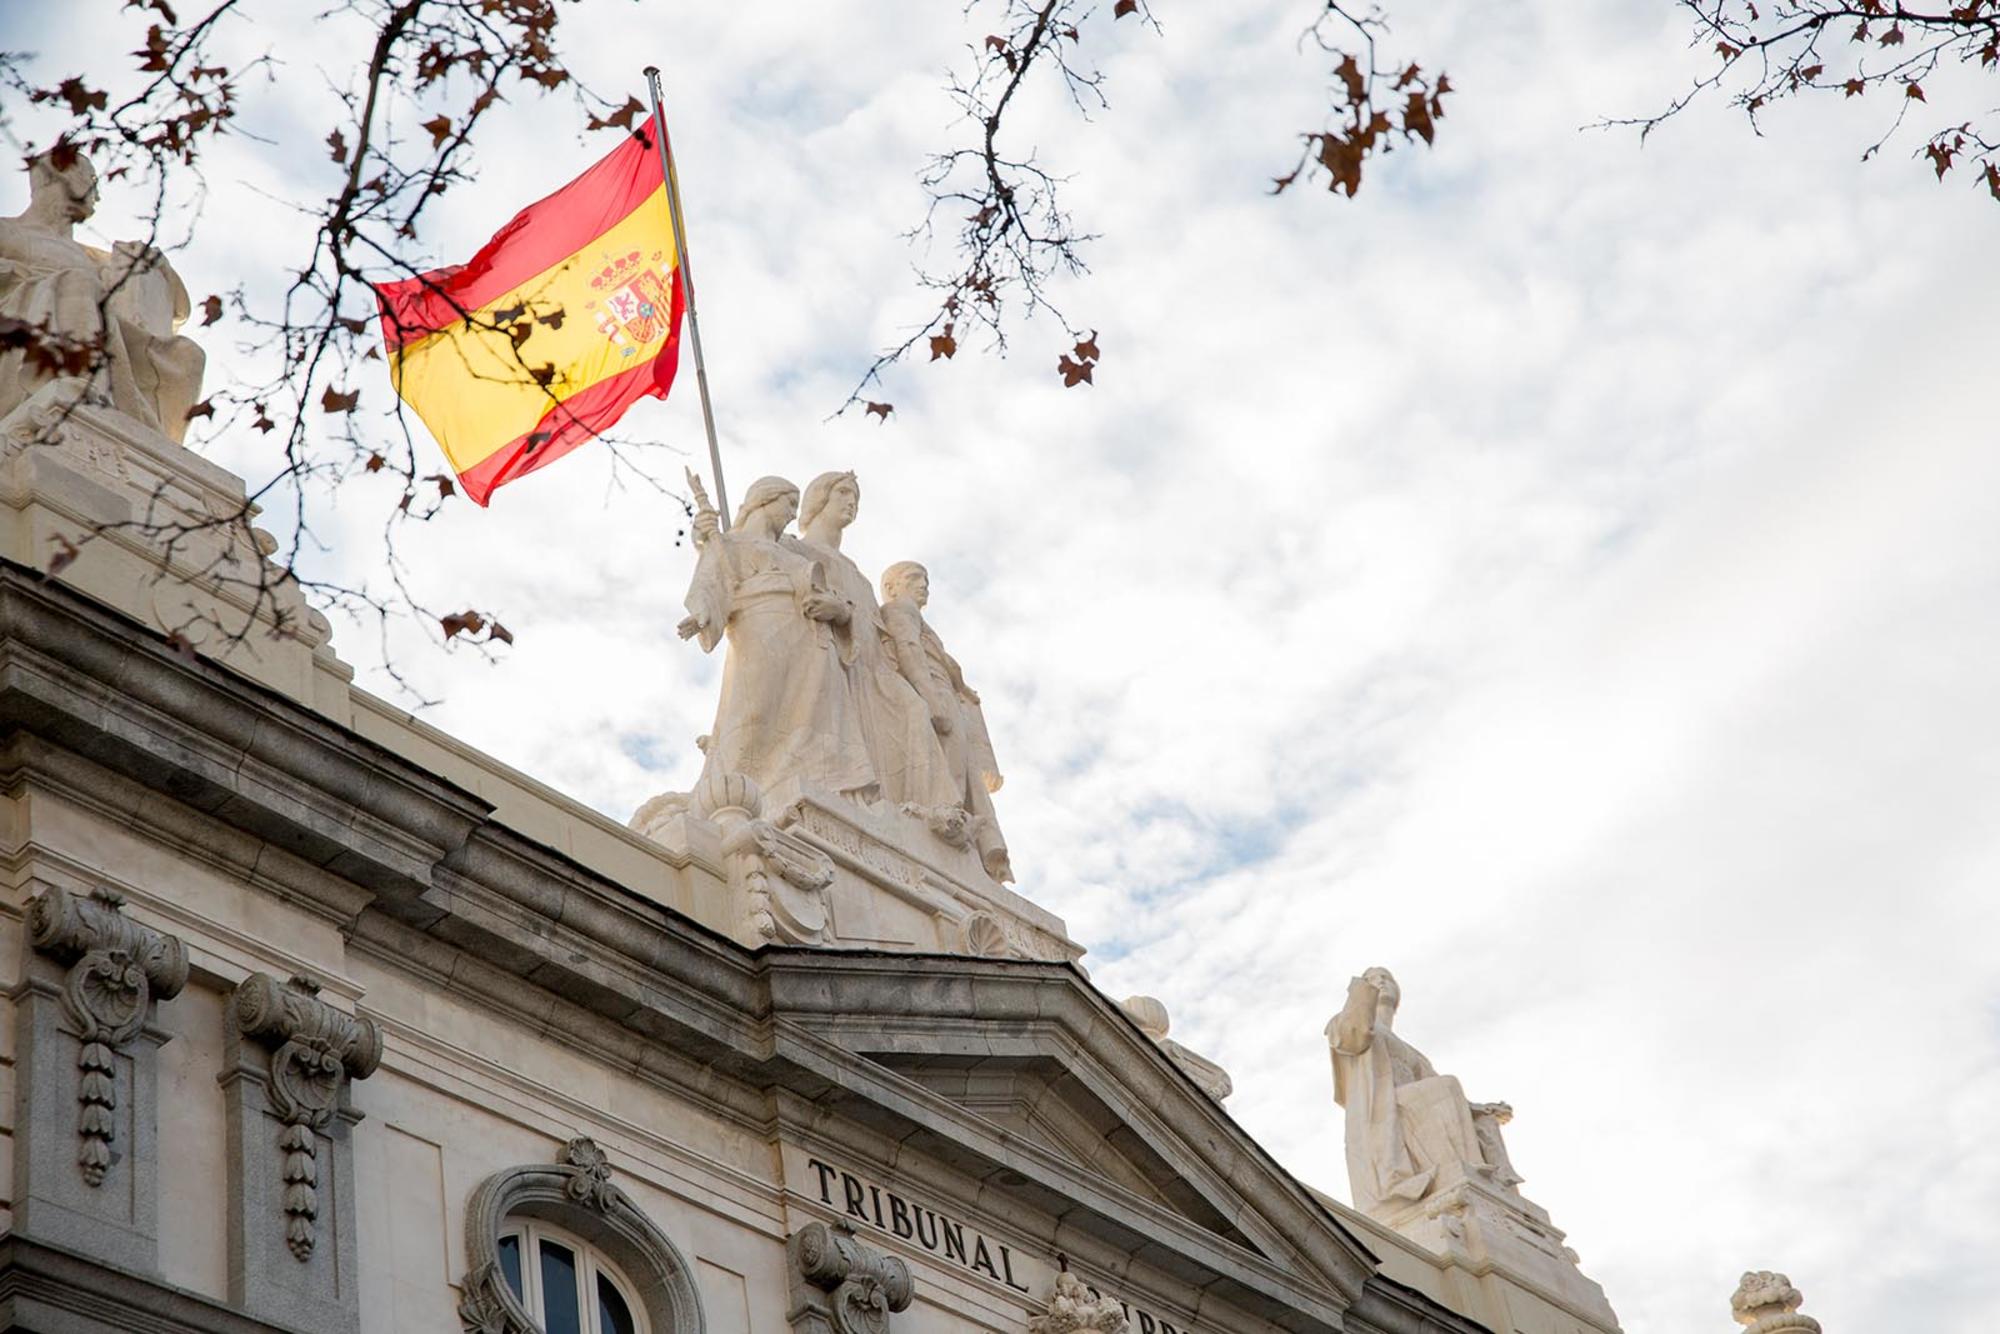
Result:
{"points": [[122, 306], [826, 685]]}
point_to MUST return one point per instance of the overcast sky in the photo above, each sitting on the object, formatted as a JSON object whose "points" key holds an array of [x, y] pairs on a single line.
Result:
{"points": [[1565, 575]]}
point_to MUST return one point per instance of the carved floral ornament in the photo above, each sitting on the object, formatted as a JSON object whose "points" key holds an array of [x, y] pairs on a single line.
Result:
{"points": [[1073, 1309], [315, 1050], [1766, 1303], [863, 1286], [117, 969], [575, 1191]]}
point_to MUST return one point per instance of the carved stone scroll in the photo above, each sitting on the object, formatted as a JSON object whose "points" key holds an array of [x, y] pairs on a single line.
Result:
{"points": [[783, 879], [315, 1050], [843, 1286], [117, 969]]}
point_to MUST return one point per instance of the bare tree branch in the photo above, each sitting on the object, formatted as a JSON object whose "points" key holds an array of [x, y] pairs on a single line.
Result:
{"points": [[1848, 48]]}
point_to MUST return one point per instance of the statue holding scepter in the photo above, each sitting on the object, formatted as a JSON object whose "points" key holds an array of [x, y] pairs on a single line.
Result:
{"points": [[785, 710]]}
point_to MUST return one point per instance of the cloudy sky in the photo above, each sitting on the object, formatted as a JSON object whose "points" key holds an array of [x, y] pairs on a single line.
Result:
{"points": [[1565, 574]]}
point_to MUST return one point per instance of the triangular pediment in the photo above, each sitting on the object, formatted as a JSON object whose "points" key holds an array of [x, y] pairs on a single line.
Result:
{"points": [[1038, 1100], [1025, 1079]]}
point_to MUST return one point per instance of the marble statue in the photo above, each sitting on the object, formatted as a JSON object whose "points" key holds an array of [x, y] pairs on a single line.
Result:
{"points": [[1410, 1130], [955, 712], [1766, 1303], [895, 722], [127, 301], [785, 710]]}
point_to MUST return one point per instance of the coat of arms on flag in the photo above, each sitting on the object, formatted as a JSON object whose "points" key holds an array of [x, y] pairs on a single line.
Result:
{"points": [[634, 304]]}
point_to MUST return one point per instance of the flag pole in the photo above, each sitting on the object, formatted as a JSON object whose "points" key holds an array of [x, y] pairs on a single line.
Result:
{"points": [[687, 281]]}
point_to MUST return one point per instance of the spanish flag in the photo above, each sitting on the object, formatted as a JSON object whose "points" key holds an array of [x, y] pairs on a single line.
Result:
{"points": [[560, 322]]}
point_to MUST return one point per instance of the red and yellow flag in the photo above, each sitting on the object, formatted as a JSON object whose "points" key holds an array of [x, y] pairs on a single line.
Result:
{"points": [[560, 322]]}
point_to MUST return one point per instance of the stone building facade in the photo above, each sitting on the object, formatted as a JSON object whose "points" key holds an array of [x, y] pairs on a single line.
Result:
{"points": [[318, 1020]]}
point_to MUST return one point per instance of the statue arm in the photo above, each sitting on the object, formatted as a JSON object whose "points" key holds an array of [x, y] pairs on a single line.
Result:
{"points": [[708, 597], [1353, 1029], [906, 642]]}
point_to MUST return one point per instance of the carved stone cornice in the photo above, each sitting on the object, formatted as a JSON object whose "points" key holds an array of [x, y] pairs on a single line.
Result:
{"points": [[862, 1286], [315, 1051], [117, 969]]}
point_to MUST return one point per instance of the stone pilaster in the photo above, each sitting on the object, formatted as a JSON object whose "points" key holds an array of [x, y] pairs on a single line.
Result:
{"points": [[840, 1286], [85, 1129], [287, 1067]]}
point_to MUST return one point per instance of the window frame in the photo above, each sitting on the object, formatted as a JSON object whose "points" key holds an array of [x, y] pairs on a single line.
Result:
{"points": [[592, 1263], [575, 1194]]}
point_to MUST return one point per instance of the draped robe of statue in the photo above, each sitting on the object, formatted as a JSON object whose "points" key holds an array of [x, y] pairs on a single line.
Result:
{"points": [[895, 721], [968, 749], [785, 711], [1409, 1129], [128, 297]]}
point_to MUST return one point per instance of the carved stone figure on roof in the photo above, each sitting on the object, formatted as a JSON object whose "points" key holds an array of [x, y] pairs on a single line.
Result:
{"points": [[895, 721], [126, 301], [1410, 1130], [1150, 1014], [785, 710], [954, 706]]}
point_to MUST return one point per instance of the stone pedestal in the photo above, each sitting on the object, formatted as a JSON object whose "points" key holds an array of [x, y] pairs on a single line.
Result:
{"points": [[815, 868], [152, 528], [1484, 1224]]}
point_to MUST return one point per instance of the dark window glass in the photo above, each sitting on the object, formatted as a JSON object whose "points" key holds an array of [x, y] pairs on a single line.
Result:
{"points": [[560, 1312], [613, 1316], [510, 1262]]}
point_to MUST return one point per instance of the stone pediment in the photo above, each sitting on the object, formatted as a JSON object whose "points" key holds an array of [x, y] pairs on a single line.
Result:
{"points": [[1039, 1101], [1039, 1097]]}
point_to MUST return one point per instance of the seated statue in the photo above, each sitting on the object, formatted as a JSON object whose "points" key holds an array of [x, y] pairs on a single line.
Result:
{"points": [[1410, 1130], [125, 304]]}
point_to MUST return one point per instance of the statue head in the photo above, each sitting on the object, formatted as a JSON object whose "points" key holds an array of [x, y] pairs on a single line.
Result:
{"points": [[836, 493], [906, 578], [68, 193], [1388, 994], [767, 492]]}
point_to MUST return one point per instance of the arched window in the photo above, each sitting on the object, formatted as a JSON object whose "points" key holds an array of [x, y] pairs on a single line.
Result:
{"points": [[560, 1250], [566, 1284]]}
